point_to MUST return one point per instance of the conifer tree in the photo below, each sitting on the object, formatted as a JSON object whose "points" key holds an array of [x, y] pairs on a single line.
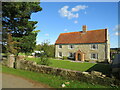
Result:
{"points": [[17, 27]]}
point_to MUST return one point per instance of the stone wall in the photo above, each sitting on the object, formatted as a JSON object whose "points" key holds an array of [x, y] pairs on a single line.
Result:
{"points": [[86, 48], [10, 61], [93, 77]]}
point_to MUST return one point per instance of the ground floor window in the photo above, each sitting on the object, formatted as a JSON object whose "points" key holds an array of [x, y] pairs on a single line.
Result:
{"points": [[71, 54], [60, 54], [94, 55]]}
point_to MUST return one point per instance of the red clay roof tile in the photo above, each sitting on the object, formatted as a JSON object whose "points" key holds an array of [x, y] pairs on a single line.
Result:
{"points": [[93, 36]]}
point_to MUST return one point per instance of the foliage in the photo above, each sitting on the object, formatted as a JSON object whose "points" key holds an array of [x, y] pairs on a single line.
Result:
{"points": [[16, 21], [51, 80], [87, 60], [38, 54], [30, 42], [10, 45], [44, 61], [49, 50], [64, 58], [38, 47]]}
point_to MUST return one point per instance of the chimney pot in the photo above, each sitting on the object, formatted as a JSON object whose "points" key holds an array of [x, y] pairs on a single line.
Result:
{"points": [[84, 28]]}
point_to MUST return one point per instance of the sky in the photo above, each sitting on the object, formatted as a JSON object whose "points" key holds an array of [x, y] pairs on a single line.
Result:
{"points": [[62, 17]]}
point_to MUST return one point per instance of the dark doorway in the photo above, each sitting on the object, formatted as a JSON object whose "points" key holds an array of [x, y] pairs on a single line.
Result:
{"points": [[79, 58]]}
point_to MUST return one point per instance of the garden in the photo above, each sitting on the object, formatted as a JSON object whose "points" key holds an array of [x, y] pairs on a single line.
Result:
{"points": [[78, 66]]}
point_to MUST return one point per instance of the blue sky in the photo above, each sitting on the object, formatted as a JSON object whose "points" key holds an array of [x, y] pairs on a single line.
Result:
{"points": [[61, 17]]}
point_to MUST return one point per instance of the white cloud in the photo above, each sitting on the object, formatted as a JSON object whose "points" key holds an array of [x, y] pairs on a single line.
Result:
{"points": [[64, 12], [46, 34], [75, 21], [117, 33], [117, 29], [65, 29], [78, 8]]}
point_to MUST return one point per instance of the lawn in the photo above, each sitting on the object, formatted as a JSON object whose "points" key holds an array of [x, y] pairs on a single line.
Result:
{"points": [[104, 68], [51, 80]]}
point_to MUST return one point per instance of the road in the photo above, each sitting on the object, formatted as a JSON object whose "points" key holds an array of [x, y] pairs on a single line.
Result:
{"points": [[13, 81]]}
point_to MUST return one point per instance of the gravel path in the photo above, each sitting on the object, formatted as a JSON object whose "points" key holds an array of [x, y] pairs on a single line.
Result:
{"points": [[13, 81]]}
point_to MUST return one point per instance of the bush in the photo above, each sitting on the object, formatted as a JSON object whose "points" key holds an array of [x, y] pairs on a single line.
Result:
{"points": [[44, 61], [103, 61], [37, 54], [87, 60], [64, 58]]}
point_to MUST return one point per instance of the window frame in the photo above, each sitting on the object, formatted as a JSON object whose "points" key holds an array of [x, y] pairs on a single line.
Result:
{"points": [[96, 56], [69, 46], [92, 46], [59, 46], [70, 55], [59, 54]]}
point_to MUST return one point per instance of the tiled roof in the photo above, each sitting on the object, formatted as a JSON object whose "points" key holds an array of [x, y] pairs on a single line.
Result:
{"points": [[93, 36]]}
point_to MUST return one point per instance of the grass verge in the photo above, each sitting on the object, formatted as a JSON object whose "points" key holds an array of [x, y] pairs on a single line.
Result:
{"points": [[51, 80]]}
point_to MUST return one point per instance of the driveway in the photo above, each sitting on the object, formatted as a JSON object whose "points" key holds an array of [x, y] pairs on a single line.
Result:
{"points": [[13, 81]]}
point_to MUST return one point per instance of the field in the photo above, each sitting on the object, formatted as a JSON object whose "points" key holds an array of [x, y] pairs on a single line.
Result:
{"points": [[104, 68]]}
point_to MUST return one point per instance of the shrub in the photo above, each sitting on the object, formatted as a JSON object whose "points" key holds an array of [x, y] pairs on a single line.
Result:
{"points": [[64, 58], [44, 61], [103, 61], [87, 60], [37, 54]]}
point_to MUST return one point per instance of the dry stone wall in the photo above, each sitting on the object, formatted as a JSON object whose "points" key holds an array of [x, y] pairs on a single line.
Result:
{"points": [[93, 77]]}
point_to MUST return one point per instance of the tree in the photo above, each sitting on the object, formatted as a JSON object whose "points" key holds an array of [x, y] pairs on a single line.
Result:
{"points": [[38, 47], [48, 49], [10, 46], [16, 22]]}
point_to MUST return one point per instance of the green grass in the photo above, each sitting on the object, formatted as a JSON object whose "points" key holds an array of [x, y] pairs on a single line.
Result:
{"points": [[51, 80], [104, 68], [21, 53]]}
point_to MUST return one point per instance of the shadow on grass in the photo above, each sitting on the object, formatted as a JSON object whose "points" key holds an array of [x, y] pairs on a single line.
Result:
{"points": [[104, 68]]}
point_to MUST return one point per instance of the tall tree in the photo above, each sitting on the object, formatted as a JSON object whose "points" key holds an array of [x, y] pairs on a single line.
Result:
{"points": [[16, 21]]}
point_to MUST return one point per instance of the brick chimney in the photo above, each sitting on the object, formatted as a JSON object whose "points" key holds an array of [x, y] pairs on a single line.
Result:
{"points": [[84, 28]]}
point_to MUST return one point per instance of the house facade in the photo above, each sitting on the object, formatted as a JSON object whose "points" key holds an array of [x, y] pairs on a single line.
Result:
{"points": [[84, 45]]}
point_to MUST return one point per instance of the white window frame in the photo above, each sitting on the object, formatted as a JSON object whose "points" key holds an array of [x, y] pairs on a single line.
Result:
{"points": [[96, 46], [96, 56], [69, 46], [69, 54], [59, 46], [59, 54]]}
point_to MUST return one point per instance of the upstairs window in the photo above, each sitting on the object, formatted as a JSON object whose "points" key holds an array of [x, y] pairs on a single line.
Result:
{"points": [[60, 54], [71, 46], [60, 46], [94, 56], [94, 46]]}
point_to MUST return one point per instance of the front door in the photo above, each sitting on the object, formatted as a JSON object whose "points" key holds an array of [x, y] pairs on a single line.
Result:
{"points": [[79, 58]]}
